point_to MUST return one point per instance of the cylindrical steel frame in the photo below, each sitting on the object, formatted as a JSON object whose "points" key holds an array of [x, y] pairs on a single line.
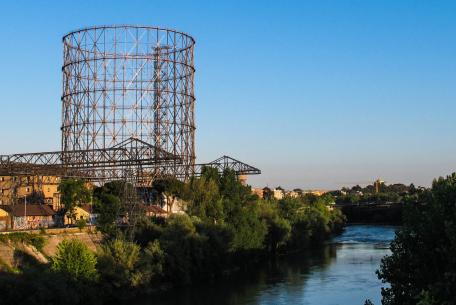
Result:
{"points": [[122, 82]]}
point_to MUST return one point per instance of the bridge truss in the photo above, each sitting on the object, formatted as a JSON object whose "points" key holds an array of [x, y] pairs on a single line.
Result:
{"points": [[134, 162], [131, 158]]}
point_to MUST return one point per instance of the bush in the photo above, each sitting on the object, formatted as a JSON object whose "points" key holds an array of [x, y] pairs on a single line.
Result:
{"points": [[81, 224], [147, 232], [279, 230], [183, 248], [249, 229], [151, 262], [75, 261], [118, 264], [108, 207]]}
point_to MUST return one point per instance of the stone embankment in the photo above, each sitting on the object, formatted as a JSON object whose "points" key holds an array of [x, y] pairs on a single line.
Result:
{"points": [[9, 258]]}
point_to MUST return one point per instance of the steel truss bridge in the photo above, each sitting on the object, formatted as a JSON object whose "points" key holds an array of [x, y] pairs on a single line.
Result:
{"points": [[130, 160]]}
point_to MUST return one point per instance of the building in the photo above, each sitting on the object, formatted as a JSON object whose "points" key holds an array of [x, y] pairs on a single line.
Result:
{"points": [[14, 189], [267, 193], [316, 192], [259, 192], [172, 204], [278, 193], [29, 216], [154, 211], [292, 194], [242, 179], [82, 212], [4, 220]]}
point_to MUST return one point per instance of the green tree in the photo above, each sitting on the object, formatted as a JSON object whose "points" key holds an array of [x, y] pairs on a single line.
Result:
{"points": [[170, 188], [278, 228], [249, 229], [205, 201], [184, 247], [116, 188], [118, 262], [109, 208], [278, 233], [422, 266], [231, 188], [152, 260], [75, 261], [73, 192], [211, 173], [81, 224]]}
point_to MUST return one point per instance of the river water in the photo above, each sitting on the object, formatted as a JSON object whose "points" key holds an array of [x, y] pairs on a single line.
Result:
{"points": [[340, 273]]}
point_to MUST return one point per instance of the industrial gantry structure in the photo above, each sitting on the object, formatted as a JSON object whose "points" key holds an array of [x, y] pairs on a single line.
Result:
{"points": [[127, 110]]}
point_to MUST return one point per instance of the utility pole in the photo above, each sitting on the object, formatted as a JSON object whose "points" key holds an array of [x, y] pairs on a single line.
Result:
{"points": [[25, 210]]}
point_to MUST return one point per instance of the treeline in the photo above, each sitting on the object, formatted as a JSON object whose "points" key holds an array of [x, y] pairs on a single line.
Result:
{"points": [[382, 193], [421, 269], [225, 230]]}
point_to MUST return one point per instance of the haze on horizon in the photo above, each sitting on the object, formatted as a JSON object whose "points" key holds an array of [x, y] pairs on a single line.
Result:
{"points": [[317, 94]]}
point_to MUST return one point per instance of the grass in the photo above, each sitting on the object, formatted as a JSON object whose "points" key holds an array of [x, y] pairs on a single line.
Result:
{"points": [[20, 237]]}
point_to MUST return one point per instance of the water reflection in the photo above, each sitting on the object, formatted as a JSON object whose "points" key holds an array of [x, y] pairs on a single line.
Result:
{"points": [[340, 273]]}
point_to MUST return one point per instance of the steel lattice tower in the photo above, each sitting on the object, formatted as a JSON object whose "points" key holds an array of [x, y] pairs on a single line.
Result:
{"points": [[123, 82]]}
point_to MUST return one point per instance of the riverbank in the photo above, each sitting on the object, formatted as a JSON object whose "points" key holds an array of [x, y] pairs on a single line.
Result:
{"points": [[340, 272]]}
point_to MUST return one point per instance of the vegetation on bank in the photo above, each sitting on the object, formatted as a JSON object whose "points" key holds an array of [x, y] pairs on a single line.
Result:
{"points": [[225, 230], [381, 193], [35, 240], [421, 269]]}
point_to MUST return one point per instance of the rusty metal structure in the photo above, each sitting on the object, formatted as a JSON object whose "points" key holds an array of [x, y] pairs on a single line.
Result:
{"points": [[129, 82], [127, 111]]}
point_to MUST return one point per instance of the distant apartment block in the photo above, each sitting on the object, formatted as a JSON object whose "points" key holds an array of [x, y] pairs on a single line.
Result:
{"points": [[258, 191], [279, 193], [20, 187]]}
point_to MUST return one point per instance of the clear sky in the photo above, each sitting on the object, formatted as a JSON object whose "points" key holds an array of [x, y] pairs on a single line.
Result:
{"points": [[318, 94]]}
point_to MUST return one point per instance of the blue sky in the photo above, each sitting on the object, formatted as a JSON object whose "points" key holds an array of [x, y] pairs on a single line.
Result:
{"points": [[318, 94]]}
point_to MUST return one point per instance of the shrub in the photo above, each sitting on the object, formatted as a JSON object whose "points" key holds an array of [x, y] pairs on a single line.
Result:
{"points": [[81, 224], [249, 230], [75, 261], [183, 248], [118, 264], [108, 207], [152, 260], [278, 233]]}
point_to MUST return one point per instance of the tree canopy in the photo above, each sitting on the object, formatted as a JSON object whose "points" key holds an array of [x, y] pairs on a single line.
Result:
{"points": [[422, 266]]}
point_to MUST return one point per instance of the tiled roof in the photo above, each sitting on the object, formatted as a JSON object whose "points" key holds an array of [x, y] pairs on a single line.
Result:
{"points": [[154, 209], [87, 207], [20, 210]]}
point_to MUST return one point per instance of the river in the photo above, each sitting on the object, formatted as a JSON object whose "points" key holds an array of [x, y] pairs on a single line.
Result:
{"points": [[340, 273]]}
